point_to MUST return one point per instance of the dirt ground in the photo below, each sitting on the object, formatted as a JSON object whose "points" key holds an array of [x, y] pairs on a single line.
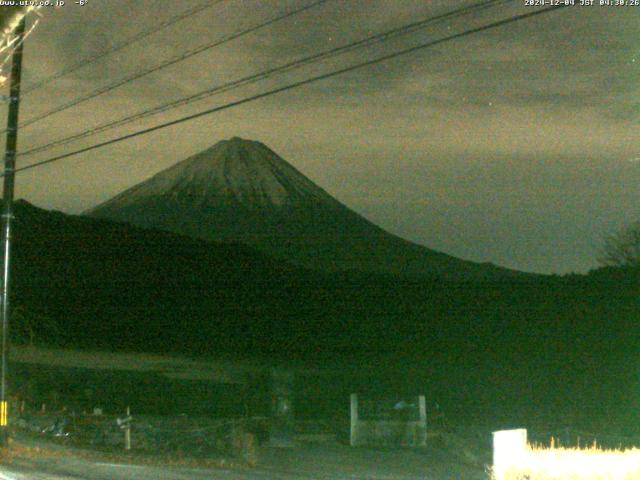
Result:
{"points": [[324, 460]]}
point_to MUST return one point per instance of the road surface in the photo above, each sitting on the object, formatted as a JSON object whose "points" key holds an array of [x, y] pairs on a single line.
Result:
{"points": [[306, 461]]}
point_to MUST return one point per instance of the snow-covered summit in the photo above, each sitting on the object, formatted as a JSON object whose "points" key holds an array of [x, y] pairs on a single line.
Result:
{"points": [[231, 171]]}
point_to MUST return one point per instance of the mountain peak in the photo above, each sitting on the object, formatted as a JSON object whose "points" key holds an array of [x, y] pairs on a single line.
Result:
{"points": [[240, 140], [239, 143], [234, 171], [240, 191]]}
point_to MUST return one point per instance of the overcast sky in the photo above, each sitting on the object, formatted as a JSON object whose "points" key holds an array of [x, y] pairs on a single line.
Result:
{"points": [[518, 145]]}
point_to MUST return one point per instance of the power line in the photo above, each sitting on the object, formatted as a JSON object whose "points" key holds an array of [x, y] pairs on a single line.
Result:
{"points": [[123, 44], [172, 61], [291, 86], [366, 42]]}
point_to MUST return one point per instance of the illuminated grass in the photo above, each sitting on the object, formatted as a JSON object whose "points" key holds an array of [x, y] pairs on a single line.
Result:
{"points": [[592, 463]]}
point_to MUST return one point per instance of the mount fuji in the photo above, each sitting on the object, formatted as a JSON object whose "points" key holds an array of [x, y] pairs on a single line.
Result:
{"points": [[241, 191]]}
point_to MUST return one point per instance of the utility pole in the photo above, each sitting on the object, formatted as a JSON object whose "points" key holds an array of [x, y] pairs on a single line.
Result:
{"points": [[7, 217]]}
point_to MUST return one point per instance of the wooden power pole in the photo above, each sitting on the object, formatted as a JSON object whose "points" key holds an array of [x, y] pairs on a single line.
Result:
{"points": [[7, 217]]}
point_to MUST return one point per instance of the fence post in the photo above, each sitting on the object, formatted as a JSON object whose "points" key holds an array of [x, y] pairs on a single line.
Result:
{"points": [[354, 420], [509, 451], [422, 429], [282, 415]]}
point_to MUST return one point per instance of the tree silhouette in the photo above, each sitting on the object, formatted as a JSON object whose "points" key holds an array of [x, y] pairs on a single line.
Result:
{"points": [[622, 249]]}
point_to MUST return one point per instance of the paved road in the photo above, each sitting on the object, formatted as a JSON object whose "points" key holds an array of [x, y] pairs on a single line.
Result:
{"points": [[76, 470], [306, 462], [102, 471]]}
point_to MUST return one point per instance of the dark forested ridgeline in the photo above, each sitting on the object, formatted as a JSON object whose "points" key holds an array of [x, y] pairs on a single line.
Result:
{"points": [[86, 283]]}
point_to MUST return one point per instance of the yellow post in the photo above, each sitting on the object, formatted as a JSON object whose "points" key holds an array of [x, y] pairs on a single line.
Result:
{"points": [[4, 413]]}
